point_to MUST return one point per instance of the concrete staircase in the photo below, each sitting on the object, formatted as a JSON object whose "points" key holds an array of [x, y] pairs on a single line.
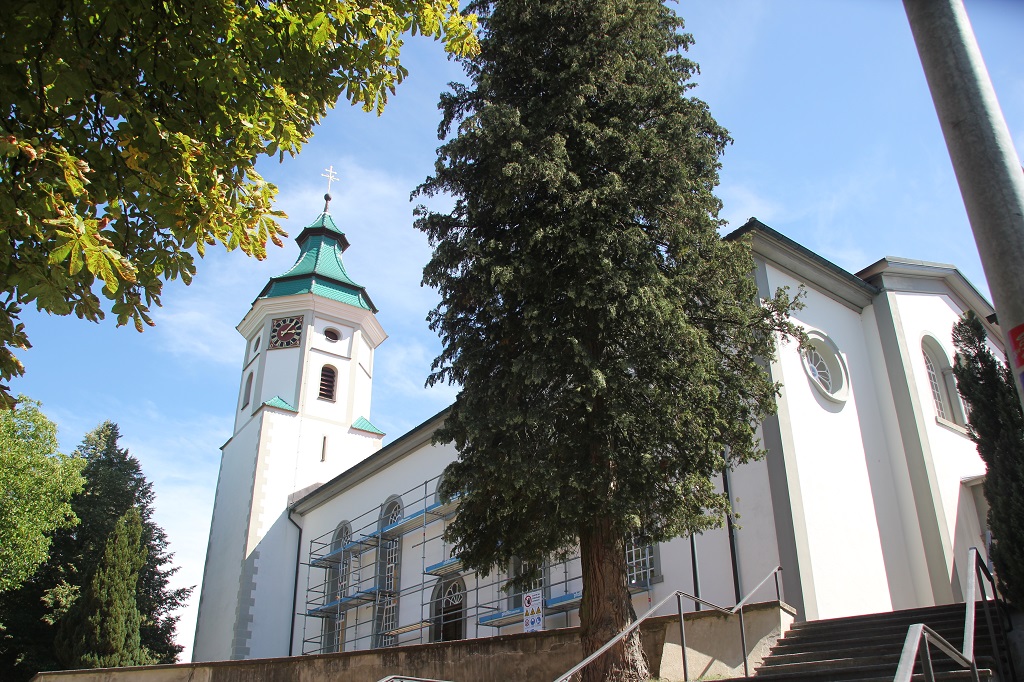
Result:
{"points": [[867, 648]]}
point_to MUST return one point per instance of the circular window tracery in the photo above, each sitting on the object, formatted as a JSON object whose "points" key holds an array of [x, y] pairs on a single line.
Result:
{"points": [[825, 367]]}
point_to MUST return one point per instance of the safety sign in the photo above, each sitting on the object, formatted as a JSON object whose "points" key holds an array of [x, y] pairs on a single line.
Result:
{"points": [[533, 611]]}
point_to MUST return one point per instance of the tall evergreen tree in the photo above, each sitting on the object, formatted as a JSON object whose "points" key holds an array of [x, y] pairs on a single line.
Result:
{"points": [[102, 628], [114, 484], [996, 425], [606, 339]]}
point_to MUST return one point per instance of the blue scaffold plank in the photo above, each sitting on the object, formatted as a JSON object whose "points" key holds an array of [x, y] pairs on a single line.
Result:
{"points": [[446, 567], [496, 620]]}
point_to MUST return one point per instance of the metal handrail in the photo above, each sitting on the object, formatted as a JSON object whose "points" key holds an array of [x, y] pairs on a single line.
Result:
{"points": [[965, 659], [679, 595], [406, 678]]}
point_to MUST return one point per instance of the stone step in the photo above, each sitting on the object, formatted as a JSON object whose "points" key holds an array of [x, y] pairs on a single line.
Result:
{"points": [[956, 676], [838, 671], [881, 637]]}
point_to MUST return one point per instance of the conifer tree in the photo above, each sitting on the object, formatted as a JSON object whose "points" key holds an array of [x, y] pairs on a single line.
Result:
{"points": [[102, 628], [114, 484], [605, 338], [996, 425]]}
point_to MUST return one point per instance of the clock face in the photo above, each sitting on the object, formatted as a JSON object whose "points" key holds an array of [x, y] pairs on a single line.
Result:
{"points": [[286, 332]]}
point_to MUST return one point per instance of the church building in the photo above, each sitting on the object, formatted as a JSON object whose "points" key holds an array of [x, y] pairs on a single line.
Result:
{"points": [[322, 540]]}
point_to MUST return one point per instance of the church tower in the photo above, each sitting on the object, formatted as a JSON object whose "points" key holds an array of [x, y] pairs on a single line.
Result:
{"points": [[301, 419]]}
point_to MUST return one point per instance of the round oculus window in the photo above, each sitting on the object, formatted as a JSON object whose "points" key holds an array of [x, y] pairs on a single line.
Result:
{"points": [[331, 335], [825, 367]]}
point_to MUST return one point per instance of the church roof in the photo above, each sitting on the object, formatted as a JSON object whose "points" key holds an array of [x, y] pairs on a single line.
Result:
{"points": [[280, 403], [319, 268], [363, 424]]}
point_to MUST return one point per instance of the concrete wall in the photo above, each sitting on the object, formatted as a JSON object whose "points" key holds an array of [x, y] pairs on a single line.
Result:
{"points": [[712, 650]]}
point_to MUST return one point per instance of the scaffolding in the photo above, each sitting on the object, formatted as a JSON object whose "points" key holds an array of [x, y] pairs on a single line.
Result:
{"points": [[355, 598]]}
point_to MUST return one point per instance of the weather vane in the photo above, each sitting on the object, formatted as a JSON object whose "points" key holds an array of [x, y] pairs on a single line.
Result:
{"points": [[330, 175]]}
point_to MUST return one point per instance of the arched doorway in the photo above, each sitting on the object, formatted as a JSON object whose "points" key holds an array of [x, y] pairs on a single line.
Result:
{"points": [[448, 611]]}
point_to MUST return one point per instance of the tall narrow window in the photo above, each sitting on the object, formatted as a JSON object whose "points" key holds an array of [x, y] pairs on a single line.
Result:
{"points": [[639, 563], [518, 569], [389, 562], [933, 380], [328, 382], [337, 589], [941, 383], [248, 390]]}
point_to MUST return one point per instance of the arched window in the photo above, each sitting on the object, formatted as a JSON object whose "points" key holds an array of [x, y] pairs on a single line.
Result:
{"points": [[448, 611], [328, 382], [941, 382], [247, 394], [389, 564], [337, 588]]}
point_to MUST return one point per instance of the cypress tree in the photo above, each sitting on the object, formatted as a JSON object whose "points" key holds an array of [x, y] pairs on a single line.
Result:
{"points": [[102, 628], [996, 425], [605, 338]]}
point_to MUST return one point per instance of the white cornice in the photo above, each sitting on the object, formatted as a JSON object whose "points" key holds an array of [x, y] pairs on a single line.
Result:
{"points": [[263, 307]]}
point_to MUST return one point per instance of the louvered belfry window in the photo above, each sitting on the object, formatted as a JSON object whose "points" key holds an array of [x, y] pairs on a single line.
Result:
{"points": [[328, 381]]}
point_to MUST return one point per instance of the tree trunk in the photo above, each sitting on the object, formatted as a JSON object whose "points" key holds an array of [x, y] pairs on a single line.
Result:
{"points": [[607, 608]]}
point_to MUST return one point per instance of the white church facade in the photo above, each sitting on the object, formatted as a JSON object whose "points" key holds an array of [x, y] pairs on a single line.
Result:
{"points": [[322, 540]]}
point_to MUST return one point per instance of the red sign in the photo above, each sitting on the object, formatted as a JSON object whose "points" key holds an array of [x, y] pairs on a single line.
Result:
{"points": [[1016, 336]]}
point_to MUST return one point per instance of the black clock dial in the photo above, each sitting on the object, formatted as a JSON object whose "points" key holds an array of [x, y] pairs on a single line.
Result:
{"points": [[286, 332]]}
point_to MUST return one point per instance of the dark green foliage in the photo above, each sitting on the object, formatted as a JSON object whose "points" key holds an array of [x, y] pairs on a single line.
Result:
{"points": [[606, 339], [996, 425], [114, 485], [102, 628]]}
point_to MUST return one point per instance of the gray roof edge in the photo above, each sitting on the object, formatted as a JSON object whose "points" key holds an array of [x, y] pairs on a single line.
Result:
{"points": [[950, 275], [806, 264]]}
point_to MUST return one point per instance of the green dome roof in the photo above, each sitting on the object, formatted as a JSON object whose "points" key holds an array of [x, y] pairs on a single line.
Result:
{"points": [[319, 269]]}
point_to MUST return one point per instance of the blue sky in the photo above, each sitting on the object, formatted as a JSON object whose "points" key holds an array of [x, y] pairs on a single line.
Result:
{"points": [[837, 146]]}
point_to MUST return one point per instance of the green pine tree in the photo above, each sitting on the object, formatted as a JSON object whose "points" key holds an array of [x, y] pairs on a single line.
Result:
{"points": [[996, 425], [114, 484], [102, 628], [607, 341]]}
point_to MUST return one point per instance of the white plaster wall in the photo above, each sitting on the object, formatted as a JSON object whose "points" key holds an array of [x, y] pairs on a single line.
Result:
{"points": [[275, 580], [906, 565], [227, 545], [281, 372], [954, 456], [832, 455]]}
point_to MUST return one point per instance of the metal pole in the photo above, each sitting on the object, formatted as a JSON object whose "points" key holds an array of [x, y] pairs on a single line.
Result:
{"points": [[743, 643], [734, 554], [981, 149], [682, 636], [696, 570]]}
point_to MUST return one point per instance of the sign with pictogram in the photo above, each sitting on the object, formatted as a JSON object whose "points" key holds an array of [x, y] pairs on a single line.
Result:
{"points": [[533, 611]]}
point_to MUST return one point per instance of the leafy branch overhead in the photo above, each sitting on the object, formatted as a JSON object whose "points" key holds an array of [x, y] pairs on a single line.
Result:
{"points": [[131, 133]]}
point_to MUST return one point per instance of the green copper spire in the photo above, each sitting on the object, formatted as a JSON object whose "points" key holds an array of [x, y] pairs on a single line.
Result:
{"points": [[319, 269]]}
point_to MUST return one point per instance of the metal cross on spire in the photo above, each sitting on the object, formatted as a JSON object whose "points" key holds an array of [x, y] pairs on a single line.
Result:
{"points": [[331, 176]]}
